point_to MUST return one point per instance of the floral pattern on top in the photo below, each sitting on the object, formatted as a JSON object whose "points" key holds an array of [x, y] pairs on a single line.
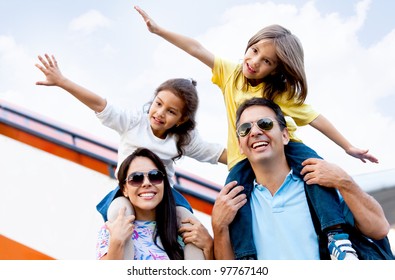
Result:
{"points": [[143, 242]]}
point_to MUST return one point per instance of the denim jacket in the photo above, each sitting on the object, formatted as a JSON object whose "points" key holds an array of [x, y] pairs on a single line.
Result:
{"points": [[367, 249]]}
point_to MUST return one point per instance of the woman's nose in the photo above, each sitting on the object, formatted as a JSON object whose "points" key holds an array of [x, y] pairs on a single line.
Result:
{"points": [[146, 181]]}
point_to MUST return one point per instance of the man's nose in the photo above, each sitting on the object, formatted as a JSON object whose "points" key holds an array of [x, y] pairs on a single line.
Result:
{"points": [[255, 130]]}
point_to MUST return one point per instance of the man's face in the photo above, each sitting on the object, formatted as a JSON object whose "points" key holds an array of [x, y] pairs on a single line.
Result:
{"points": [[262, 145]]}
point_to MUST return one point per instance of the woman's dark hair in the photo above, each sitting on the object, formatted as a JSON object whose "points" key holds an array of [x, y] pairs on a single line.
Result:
{"points": [[166, 218], [185, 89]]}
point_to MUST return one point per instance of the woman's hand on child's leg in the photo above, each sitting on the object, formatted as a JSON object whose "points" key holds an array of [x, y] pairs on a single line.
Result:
{"points": [[122, 227], [194, 232]]}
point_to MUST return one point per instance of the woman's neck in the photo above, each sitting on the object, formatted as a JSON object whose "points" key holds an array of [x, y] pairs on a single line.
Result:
{"points": [[145, 215]]}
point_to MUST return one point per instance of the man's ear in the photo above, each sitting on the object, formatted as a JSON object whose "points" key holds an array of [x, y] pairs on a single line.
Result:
{"points": [[285, 135], [240, 149]]}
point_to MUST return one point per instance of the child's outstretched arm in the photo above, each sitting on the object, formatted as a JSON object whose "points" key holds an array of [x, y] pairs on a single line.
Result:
{"points": [[326, 127], [49, 66], [189, 45]]}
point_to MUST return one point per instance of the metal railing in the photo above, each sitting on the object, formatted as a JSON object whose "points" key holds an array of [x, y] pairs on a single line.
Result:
{"points": [[55, 138]]}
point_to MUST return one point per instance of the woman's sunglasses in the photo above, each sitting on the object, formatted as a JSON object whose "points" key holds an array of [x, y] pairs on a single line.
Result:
{"points": [[136, 179], [263, 124]]}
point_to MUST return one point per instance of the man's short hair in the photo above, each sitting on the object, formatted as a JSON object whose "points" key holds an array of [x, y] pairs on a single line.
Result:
{"points": [[259, 101]]}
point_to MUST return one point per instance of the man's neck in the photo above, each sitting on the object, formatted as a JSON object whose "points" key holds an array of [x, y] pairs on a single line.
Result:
{"points": [[271, 174]]}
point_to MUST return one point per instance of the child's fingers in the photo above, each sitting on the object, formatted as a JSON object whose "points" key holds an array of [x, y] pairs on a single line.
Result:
{"points": [[43, 61], [49, 60]]}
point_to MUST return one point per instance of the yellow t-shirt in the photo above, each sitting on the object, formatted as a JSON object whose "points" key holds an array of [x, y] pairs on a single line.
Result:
{"points": [[224, 78]]}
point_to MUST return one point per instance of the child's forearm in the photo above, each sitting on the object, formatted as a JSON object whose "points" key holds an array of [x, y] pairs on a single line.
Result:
{"points": [[329, 130], [49, 66], [323, 125], [189, 45], [87, 97]]}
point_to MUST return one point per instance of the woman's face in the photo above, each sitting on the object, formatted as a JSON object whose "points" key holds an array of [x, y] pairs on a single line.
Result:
{"points": [[165, 112], [147, 194]]}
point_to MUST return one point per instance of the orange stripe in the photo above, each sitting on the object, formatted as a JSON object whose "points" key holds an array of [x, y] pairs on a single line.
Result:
{"points": [[198, 204], [12, 250], [54, 149], [94, 164]]}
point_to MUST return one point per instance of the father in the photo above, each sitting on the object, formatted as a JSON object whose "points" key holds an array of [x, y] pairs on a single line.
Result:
{"points": [[283, 223]]}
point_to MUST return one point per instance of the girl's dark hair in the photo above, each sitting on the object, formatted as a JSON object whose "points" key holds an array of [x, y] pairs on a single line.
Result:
{"points": [[166, 218], [289, 75], [258, 101], [185, 89]]}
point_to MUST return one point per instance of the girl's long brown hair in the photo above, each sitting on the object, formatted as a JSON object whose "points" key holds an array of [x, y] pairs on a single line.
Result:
{"points": [[289, 77]]}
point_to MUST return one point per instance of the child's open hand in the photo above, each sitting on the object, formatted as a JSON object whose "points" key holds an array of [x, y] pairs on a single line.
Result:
{"points": [[363, 155], [152, 26], [49, 66]]}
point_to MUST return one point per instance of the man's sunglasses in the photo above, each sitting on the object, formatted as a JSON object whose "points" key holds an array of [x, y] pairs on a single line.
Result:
{"points": [[136, 179], [263, 124]]}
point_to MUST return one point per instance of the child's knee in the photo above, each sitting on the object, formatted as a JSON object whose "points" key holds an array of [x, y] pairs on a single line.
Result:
{"points": [[182, 214], [117, 204]]}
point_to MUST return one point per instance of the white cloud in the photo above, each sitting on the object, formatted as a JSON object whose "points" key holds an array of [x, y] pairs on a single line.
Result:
{"points": [[10, 50], [6, 43], [15, 66], [89, 22]]}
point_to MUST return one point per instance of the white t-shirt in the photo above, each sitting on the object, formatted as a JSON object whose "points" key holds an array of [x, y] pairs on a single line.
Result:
{"points": [[134, 128]]}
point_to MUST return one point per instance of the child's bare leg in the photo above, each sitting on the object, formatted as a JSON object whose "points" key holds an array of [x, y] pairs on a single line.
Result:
{"points": [[191, 252], [112, 214]]}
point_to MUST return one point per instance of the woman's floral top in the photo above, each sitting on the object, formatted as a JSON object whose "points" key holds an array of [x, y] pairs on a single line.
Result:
{"points": [[143, 242]]}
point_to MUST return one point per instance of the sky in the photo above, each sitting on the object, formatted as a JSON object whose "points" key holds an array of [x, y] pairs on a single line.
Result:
{"points": [[106, 47]]}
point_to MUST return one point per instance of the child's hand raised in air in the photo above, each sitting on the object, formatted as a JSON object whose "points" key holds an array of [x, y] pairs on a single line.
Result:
{"points": [[49, 66], [152, 26], [363, 155]]}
